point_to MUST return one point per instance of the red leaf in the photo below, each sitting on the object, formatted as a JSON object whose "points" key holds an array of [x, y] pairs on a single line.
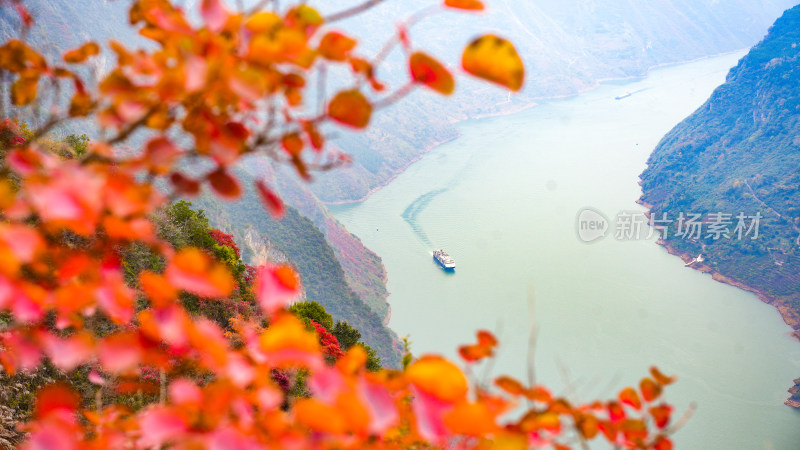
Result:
{"points": [[663, 443], [224, 184], [615, 412], [270, 200], [184, 185], [661, 414], [55, 397], [431, 73]]}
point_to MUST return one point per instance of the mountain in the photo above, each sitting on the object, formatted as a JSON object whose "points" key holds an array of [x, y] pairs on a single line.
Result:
{"points": [[739, 154], [568, 46]]}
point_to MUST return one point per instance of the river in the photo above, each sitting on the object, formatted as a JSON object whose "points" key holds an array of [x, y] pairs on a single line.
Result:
{"points": [[503, 201]]}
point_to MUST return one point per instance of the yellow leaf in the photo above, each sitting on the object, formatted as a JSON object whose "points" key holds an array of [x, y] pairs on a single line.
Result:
{"points": [[494, 59]]}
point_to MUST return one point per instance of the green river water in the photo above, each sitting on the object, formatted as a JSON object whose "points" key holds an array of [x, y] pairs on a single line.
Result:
{"points": [[503, 201]]}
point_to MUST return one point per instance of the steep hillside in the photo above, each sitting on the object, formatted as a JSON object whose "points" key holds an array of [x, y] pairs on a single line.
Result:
{"points": [[306, 248], [740, 153]]}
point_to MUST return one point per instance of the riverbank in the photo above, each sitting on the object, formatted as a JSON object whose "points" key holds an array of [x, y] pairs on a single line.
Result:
{"points": [[789, 316]]}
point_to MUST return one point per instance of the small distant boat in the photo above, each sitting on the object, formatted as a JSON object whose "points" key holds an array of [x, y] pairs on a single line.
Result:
{"points": [[623, 96], [699, 259], [445, 260]]}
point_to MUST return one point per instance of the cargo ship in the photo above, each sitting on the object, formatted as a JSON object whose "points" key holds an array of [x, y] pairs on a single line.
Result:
{"points": [[444, 259]]}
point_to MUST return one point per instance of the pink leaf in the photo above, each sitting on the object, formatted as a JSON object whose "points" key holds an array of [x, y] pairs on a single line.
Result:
{"points": [[214, 14], [120, 353], [23, 241], [184, 391], [429, 411], [67, 353], [378, 400], [240, 372], [161, 426], [276, 287]]}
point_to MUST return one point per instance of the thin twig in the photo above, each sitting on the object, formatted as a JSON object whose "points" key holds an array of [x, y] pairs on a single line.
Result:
{"points": [[395, 96], [353, 11], [132, 127]]}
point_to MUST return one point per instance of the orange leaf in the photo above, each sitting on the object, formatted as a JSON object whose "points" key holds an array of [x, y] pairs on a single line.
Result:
{"points": [[474, 352], [661, 414], [431, 73], [289, 343], [160, 292], [292, 143], [539, 394], [650, 389], [313, 135], [494, 59], [588, 425], [471, 419], [193, 271], [534, 420], [263, 22], [82, 53], [473, 5], [660, 378], [350, 108], [634, 430], [270, 200], [319, 417], [23, 91], [225, 184], [336, 46], [510, 385], [629, 396], [438, 377]]}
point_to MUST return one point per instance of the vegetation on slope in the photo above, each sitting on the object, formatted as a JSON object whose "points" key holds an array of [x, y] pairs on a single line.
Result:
{"points": [[740, 154]]}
